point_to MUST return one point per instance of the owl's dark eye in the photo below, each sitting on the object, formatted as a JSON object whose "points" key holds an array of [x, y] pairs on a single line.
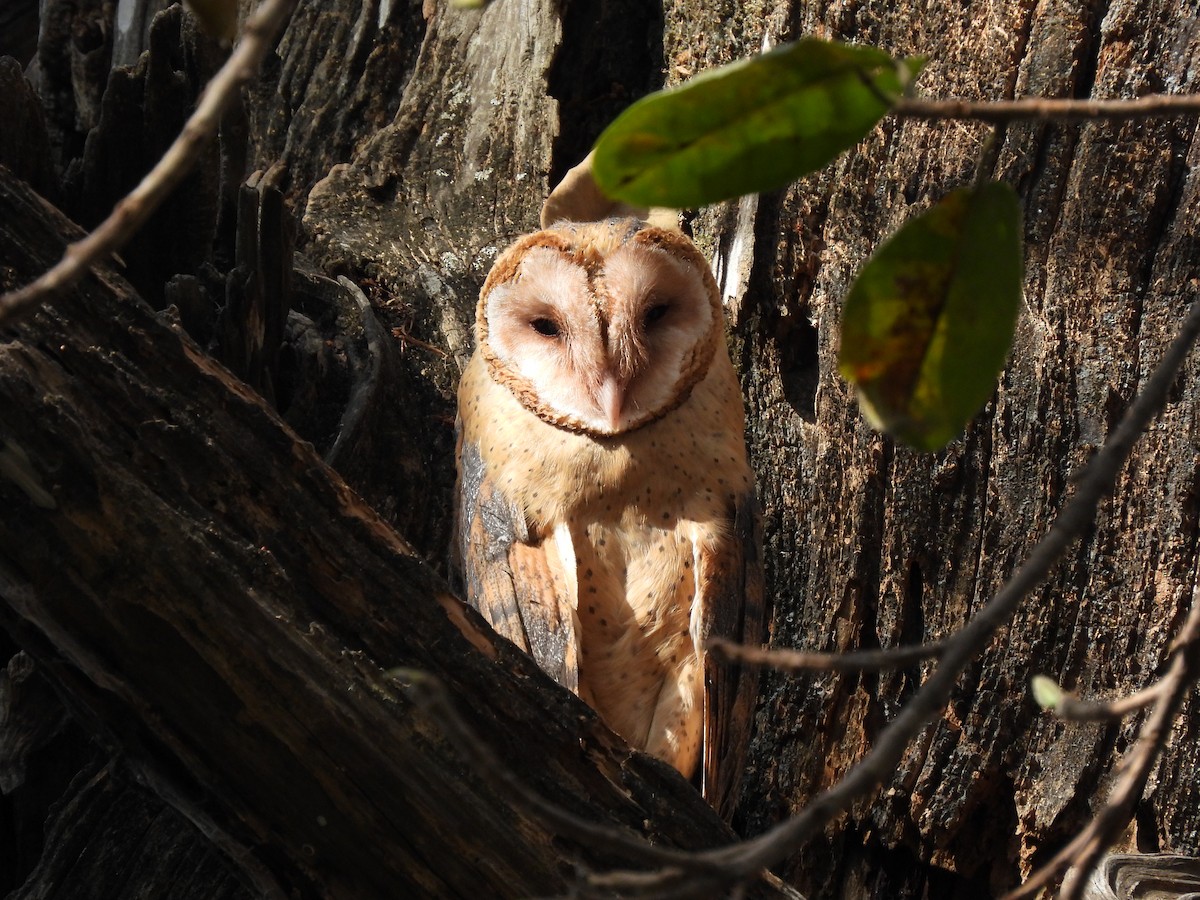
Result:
{"points": [[655, 313], [545, 327]]}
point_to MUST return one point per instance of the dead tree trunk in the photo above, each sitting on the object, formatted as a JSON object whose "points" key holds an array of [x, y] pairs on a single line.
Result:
{"points": [[410, 142]]}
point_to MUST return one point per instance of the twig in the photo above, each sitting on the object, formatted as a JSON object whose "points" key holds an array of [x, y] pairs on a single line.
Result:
{"points": [[1048, 108], [756, 854], [405, 339], [1075, 710], [131, 213], [801, 661], [678, 869], [1083, 852]]}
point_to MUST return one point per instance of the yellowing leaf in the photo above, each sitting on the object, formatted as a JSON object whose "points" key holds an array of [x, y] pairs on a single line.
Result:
{"points": [[929, 321]]}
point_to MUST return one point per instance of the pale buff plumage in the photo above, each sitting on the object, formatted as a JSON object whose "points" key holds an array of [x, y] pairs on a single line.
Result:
{"points": [[620, 545]]}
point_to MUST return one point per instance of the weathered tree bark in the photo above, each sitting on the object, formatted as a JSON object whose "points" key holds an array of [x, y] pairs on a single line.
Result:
{"points": [[418, 140], [899, 547]]}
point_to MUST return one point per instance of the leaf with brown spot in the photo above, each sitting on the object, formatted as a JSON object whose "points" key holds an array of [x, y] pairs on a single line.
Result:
{"points": [[928, 323]]}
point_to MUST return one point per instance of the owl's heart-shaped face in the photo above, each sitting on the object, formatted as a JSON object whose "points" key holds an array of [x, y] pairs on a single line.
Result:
{"points": [[600, 328]]}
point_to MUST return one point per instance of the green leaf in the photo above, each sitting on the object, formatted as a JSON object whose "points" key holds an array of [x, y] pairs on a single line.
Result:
{"points": [[929, 321], [750, 126], [1046, 692]]}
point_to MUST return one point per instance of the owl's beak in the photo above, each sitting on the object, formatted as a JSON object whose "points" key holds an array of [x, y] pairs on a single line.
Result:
{"points": [[610, 398]]}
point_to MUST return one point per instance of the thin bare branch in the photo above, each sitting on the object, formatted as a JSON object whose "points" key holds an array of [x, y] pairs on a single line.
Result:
{"points": [[746, 859], [801, 661], [258, 36], [1083, 852], [430, 695], [1075, 710], [678, 870], [405, 339], [999, 111]]}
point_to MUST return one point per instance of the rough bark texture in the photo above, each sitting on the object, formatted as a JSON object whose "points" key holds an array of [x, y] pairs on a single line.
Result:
{"points": [[414, 141], [899, 547]]}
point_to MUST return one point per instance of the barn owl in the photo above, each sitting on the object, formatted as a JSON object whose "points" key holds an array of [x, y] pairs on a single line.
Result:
{"points": [[606, 518]]}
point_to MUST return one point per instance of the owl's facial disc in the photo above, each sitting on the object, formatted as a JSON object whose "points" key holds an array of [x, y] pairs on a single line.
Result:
{"points": [[601, 351]]}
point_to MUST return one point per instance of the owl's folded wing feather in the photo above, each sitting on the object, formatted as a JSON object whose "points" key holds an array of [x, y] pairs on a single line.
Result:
{"points": [[520, 586], [731, 590]]}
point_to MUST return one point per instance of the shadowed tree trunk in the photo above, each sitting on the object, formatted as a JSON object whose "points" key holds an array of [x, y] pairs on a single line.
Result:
{"points": [[218, 610]]}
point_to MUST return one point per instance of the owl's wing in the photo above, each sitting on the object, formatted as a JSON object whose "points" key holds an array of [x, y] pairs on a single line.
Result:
{"points": [[524, 589], [730, 580]]}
